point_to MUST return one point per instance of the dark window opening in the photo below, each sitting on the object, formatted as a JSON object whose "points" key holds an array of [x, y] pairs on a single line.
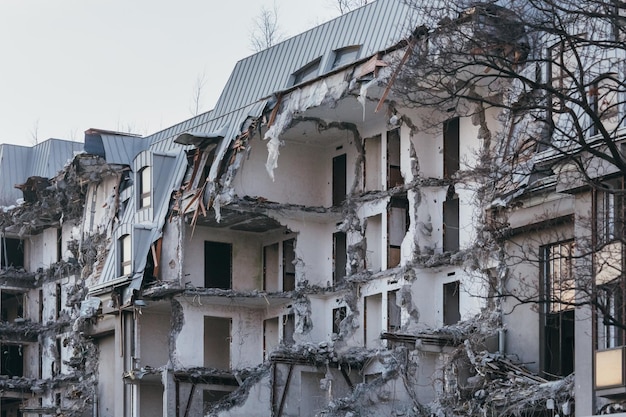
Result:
{"points": [[451, 307], [451, 224], [558, 329], [451, 156], [12, 306], [125, 255], [340, 254], [145, 187], [289, 268], [339, 314], [12, 251], [339, 180], [218, 265], [59, 244], [306, 73], [12, 360], [217, 342], [344, 56], [394, 176], [394, 313], [289, 328], [59, 300]]}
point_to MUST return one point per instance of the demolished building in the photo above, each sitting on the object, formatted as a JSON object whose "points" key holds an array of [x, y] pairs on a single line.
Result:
{"points": [[308, 247]]}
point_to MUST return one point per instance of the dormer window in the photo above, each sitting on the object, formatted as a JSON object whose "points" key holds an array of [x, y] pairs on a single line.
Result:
{"points": [[124, 255], [306, 73], [344, 56], [145, 187]]}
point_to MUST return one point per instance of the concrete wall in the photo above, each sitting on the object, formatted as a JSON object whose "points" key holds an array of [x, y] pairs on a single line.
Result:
{"points": [[246, 257]]}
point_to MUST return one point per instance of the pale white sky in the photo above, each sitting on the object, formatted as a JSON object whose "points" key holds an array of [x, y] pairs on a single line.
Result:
{"points": [[70, 65]]}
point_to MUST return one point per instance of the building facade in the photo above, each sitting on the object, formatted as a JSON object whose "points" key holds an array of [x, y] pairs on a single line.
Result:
{"points": [[311, 246]]}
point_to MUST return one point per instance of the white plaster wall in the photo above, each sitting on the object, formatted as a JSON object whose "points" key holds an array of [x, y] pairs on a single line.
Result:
{"points": [[247, 333], [108, 378], [303, 175], [430, 212], [154, 330], [469, 217], [247, 259], [33, 253], [170, 266], [50, 247], [429, 150], [469, 144], [316, 256]]}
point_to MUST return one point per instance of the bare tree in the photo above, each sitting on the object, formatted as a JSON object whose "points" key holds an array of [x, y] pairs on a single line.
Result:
{"points": [[554, 71], [34, 132], [197, 93], [266, 30], [346, 6]]}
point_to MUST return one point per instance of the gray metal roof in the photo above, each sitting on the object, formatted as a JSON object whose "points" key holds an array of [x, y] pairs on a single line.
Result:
{"points": [[376, 26], [18, 163]]}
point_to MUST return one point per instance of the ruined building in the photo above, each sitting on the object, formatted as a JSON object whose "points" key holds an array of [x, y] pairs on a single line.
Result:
{"points": [[308, 247]]}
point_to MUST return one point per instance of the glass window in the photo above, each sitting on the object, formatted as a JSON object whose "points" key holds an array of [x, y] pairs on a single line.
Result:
{"points": [[145, 187], [125, 255]]}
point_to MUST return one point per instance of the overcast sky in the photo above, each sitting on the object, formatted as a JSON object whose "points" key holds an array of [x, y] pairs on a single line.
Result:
{"points": [[70, 65]]}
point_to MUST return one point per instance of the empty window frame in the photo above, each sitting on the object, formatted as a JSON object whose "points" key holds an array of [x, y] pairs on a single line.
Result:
{"points": [[125, 260], [340, 254], [611, 314], [12, 360], [289, 267], [270, 336], [339, 180], [11, 253], [451, 224], [397, 227], [394, 176], [372, 171], [289, 328], [307, 72], [270, 267], [609, 211], [451, 153], [394, 312], [339, 314], [273, 268], [344, 56], [218, 265], [558, 318], [372, 319], [217, 340], [145, 187], [451, 305]]}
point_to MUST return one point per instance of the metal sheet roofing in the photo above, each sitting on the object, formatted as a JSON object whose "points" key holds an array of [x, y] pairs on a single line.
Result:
{"points": [[18, 163], [376, 26]]}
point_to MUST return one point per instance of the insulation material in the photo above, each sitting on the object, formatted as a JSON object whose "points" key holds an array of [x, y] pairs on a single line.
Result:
{"points": [[362, 98], [329, 89]]}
